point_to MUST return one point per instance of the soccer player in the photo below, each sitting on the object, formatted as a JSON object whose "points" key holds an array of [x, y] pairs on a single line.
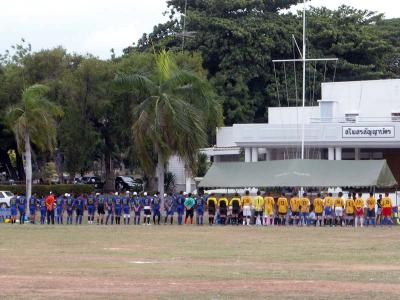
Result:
{"points": [[258, 204], [100, 202], [269, 204], [43, 210], [169, 207], [282, 208], [90, 208], [180, 206], [189, 206], [235, 203], [318, 209], [70, 208], [295, 208], [126, 204], [211, 205], [387, 210], [156, 206], [328, 203], [305, 209], [80, 207], [60, 209], [13, 208], [200, 202], [349, 209], [110, 209], [371, 203], [117, 208], [33, 203], [137, 208], [147, 209], [21, 200], [247, 202], [50, 202], [339, 205], [223, 204], [359, 210]]}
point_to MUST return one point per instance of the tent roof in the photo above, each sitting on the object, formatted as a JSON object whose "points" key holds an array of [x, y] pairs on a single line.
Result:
{"points": [[300, 173]]}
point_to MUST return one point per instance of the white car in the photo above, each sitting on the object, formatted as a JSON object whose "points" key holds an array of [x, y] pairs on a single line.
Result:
{"points": [[5, 197]]}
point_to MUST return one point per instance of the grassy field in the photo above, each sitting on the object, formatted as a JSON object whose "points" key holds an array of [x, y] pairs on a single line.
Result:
{"points": [[189, 262]]}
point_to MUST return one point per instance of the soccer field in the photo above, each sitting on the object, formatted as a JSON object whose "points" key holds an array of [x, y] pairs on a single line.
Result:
{"points": [[190, 262]]}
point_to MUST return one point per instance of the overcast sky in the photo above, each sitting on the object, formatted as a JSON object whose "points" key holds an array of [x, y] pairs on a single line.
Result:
{"points": [[96, 26]]}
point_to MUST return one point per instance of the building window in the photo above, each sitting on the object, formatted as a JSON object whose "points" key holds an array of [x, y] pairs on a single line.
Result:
{"points": [[351, 117], [396, 117]]}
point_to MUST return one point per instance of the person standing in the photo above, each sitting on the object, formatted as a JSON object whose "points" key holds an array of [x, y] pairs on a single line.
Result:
{"points": [[33, 203], [43, 210], [235, 203], [110, 209], [339, 205], [60, 209], [100, 203], [359, 210], [50, 203], [169, 205], [349, 210], [200, 202], [318, 210], [126, 204], [180, 206], [70, 207], [80, 207], [282, 204], [328, 204], [21, 200], [387, 210], [379, 210], [189, 206], [156, 206], [146, 209], [117, 208], [269, 204], [371, 203], [13, 208], [305, 210], [258, 204], [223, 204], [295, 209], [90, 208], [137, 207], [247, 202]]}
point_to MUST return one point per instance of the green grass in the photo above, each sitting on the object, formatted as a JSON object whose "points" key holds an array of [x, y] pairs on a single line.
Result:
{"points": [[198, 262]]}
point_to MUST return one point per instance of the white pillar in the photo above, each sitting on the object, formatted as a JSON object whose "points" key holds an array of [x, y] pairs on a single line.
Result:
{"points": [[338, 153], [217, 158], [254, 154], [331, 154], [247, 154], [267, 154], [188, 184], [357, 154]]}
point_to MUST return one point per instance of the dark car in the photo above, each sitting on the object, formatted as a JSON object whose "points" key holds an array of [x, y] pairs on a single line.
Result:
{"points": [[127, 183], [96, 181]]}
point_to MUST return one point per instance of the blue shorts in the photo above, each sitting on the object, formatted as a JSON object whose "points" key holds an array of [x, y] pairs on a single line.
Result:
{"points": [[79, 212], [69, 211], [156, 212], [118, 211], [170, 212], [43, 211], [21, 209], [179, 210], [13, 211], [200, 211], [32, 210], [91, 210], [59, 211], [127, 211], [328, 211]]}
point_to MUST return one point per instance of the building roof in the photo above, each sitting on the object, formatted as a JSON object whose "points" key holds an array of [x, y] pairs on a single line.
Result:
{"points": [[300, 173]]}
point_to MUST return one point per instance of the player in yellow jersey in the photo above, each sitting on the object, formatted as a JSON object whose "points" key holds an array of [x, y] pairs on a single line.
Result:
{"points": [[338, 204], [269, 203], [211, 205], [387, 210], [318, 209], [305, 210], [328, 204], [258, 204], [295, 209], [247, 201], [235, 204], [371, 203], [349, 210], [223, 204], [282, 204], [359, 210]]}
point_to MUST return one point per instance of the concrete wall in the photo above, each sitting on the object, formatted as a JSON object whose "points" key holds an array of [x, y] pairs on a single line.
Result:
{"points": [[292, 115]]}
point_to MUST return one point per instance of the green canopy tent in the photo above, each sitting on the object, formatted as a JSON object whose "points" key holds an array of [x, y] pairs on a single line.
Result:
{"points": [[300, 173]]}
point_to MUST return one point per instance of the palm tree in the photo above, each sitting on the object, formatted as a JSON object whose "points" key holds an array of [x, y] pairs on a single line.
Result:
{"points": [[177, 110], [33, 122]]}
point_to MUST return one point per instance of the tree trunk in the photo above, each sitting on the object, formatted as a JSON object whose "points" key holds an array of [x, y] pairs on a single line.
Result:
{"points": [[109, 184], [28, 166], [20, 165], [160, 174]]}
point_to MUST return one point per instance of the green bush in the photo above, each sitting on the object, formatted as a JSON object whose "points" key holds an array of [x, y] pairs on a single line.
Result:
{"points": [[55, 188]]}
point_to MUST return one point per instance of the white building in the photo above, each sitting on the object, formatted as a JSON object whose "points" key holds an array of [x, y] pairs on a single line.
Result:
{"points": [[354, 120]]}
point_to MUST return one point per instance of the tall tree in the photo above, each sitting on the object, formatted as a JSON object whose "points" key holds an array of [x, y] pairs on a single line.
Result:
{"points": [[176, 111], [34, 122]]}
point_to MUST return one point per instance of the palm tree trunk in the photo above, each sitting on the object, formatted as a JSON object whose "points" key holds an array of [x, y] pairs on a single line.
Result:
{"points": [[28, 165], [160, 174]]}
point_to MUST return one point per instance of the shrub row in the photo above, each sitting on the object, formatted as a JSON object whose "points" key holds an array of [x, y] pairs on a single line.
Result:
{"points": [[45, 189]]}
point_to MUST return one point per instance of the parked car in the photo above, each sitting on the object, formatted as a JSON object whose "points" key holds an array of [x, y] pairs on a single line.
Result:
{"points": [[5, 197], [96, 181], [127, 183]]}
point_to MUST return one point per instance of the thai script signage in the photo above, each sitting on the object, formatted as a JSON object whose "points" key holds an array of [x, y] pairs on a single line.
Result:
{"points": [[368, 132]]}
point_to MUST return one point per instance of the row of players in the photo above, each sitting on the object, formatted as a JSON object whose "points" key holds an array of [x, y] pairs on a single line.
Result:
{"points": [[328, 210]]}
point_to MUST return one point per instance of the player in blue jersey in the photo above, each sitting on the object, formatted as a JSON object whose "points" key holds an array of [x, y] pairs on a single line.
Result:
{"points": [[200, 203], [90, 208], [169, 207], [33, 203], [60, 202], [126, 206], [137, 207], [156, 206], [69, 203], [21, 200], [117, 208], [110, 209], [13, 208], [180, 206], [100, 203], [43, 210], [146, 202], [80, 207]]}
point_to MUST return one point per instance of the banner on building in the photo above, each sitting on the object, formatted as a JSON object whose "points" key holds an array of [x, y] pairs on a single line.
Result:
{"points": [[368, 132]]}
